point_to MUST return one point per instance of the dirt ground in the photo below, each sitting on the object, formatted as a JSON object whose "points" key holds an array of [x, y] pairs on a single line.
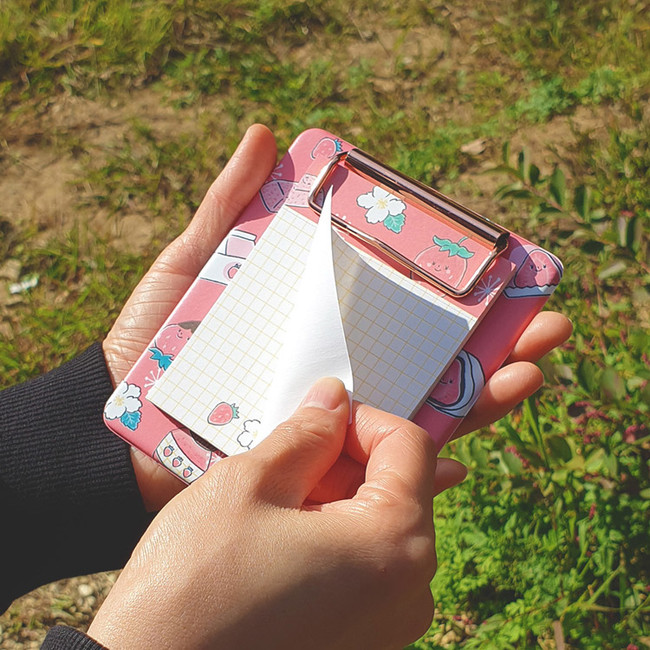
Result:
{"points": [[40, 170], [38, 185]]}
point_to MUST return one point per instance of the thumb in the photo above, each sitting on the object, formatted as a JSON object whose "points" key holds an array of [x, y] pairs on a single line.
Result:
{"points": [[300, 451]]}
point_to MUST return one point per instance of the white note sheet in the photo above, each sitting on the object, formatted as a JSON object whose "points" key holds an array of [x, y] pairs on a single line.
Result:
{"points": [[400, 337]]}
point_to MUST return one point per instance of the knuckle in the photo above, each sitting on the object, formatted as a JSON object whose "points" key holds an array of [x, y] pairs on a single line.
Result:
{"points": [[229, 480], [411, 551], [421, 556]]}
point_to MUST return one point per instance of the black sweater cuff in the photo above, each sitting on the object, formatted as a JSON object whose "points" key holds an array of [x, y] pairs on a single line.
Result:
{"points": [[67, 638], [67, 486]]}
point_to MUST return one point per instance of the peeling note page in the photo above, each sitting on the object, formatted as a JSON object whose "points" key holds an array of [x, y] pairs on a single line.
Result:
{"points": [[400, 338], [314, 344]]}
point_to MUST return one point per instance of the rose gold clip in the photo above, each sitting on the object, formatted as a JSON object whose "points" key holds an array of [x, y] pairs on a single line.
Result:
{"points": [[424, 197]]}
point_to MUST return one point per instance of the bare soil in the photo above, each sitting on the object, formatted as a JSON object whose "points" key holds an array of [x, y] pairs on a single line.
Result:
{"points": [[39, 186]]}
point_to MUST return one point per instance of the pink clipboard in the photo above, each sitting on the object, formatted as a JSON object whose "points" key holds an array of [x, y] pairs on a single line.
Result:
{"points": [[495, 274]]}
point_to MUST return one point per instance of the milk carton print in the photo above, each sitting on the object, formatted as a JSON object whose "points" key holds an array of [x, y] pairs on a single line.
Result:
{"points": [[459, 386], [295, 194], [182, 455], [538, 273], [228, 257]]}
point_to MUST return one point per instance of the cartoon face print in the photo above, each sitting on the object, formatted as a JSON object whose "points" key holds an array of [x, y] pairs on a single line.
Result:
{"points": [[459, 386], [446, 260], [448, 390], [537, 270], [170, 341], [537, 275], [173, 337]]}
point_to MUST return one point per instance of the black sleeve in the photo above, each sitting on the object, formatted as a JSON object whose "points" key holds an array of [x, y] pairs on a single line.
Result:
{"points": [[66, 638], [69, 496]]}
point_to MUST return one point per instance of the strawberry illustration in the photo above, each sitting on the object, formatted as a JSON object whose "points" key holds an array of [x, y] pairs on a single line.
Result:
{"points": [[223, 413], [170, 341], [326, 148], [446, 259], [537, 270]]}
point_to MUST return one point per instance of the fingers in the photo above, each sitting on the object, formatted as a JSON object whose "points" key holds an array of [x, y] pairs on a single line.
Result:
{"points": [[178, 265], [401, 461], [346, 476], [341, 481], [546, 331], [296, 456], [230, 193], [508, 387], [519, 378], [368, 428]]}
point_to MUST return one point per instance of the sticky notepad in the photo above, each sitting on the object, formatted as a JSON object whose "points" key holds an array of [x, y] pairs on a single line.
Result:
{"points": [[400, 337]]}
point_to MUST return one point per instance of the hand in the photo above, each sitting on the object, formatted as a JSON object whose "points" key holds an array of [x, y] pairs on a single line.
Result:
{"points": [[171, 276], [176, 268], [242, 559]]}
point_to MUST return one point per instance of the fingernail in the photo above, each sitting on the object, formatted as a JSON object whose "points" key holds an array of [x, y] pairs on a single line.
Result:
{"points": [[326, 393]]}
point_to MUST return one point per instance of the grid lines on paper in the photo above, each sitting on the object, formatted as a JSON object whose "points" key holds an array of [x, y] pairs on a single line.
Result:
{"points": [[401, 337], [231, 356]]}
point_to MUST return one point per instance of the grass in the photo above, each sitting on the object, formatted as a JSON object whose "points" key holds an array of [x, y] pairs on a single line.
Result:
{"points": [[546, 543]]}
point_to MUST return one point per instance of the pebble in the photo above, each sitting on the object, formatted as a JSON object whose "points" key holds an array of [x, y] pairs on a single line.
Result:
{"points": [[10, 270]]}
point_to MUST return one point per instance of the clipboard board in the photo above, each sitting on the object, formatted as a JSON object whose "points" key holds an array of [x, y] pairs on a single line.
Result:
{"points": [[439, 249]]}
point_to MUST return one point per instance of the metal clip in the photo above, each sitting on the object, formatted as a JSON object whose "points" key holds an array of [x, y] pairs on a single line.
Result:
{"points": [[424, 197]]}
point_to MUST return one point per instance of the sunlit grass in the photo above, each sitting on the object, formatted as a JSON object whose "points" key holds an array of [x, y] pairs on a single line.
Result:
{"points": [[557, 500]]}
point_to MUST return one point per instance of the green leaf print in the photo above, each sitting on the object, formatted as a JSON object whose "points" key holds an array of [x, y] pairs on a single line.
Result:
{"points": [[395, 222]]}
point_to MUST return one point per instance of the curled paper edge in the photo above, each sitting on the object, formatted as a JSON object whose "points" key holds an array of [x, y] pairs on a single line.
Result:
{"points": [[314, 345]]}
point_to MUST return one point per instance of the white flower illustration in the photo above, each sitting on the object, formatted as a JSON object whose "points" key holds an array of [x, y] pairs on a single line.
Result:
{"points": [[248, 436], [486, 288], [124, 400], [380, 204]]}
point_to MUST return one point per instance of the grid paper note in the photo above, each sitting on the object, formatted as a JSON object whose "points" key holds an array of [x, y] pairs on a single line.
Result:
{"points": [[400, 337]]}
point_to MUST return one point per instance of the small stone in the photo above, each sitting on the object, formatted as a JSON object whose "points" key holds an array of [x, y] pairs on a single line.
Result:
{"points": [[449, 638], [85, 590], [10, 270], [475, 147]]}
